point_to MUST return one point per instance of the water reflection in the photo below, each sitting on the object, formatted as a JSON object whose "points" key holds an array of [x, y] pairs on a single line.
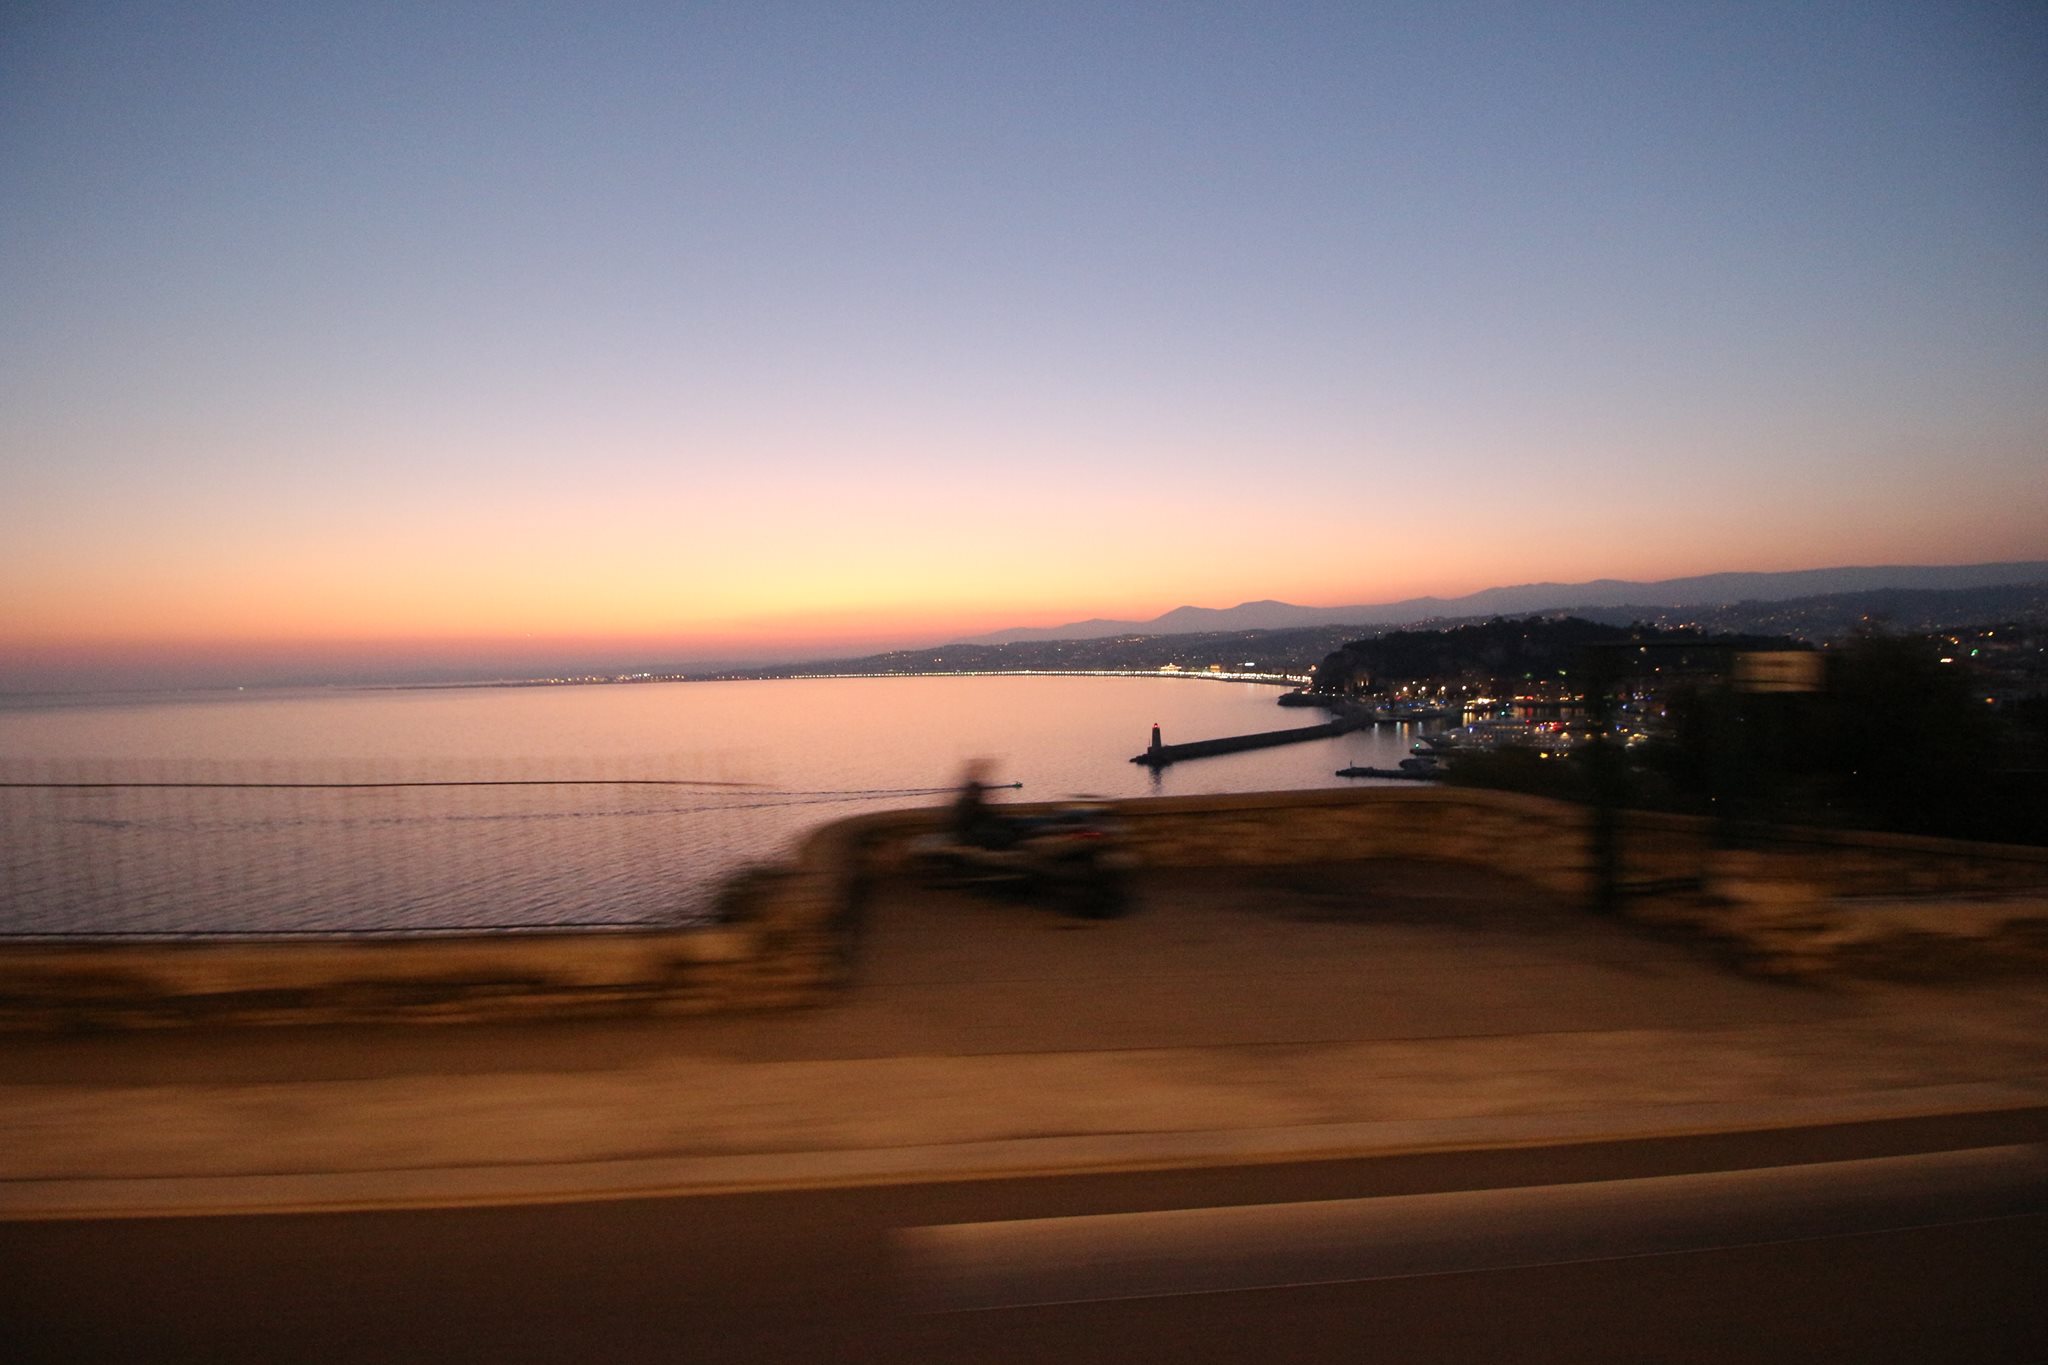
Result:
{"points": [[552, 814]]}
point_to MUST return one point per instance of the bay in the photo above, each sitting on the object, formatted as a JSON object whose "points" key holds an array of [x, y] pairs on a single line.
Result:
{"points": [[607, 804]]}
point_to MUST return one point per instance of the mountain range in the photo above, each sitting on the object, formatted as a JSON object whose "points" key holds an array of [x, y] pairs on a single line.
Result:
{"points": [[1717, 589]]}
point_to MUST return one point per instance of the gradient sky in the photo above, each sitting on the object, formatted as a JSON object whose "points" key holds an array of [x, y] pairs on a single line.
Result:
{"points": [[377, 331]]}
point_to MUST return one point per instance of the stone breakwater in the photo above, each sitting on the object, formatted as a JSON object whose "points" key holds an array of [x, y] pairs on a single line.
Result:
{"points": [[1160, 755], [1810, 902]]}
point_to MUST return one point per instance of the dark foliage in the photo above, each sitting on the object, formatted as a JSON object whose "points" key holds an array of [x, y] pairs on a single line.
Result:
{"points": [[1897, 741]]}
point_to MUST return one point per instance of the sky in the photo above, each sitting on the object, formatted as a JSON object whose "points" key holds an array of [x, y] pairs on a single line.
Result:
{"points": [[340, 335]]}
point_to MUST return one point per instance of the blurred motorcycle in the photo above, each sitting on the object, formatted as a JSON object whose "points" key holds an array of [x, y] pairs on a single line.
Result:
{"points": [[1075, 858]]}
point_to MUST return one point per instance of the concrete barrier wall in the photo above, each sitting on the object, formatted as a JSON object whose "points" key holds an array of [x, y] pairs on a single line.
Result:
{"points": [[1548, 843], [788, 940], [785, 940], [1544, 842], [1799, 901], [97, 984]]}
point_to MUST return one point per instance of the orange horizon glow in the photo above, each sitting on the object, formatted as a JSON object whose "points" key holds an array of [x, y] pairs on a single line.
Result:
{"points": [[583, 608], [376, 631]]}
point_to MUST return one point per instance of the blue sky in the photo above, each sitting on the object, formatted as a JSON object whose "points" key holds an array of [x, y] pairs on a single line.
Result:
{"points": [[734, 326]]}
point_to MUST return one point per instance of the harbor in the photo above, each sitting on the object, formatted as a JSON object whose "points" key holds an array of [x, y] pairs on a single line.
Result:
{"points": [[1346, 715]]}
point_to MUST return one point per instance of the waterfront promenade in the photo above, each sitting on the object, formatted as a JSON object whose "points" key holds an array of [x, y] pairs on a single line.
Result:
{"points": [[1257, 1014]]}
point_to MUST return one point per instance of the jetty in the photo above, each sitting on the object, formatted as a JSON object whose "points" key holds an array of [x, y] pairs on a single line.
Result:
{"points": [[1403, 774], [1159, 755], [1301, 696], [1402, 713]]}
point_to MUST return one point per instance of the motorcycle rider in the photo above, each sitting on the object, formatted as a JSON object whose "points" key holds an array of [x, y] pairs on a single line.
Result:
{"points": [[976, 823]]}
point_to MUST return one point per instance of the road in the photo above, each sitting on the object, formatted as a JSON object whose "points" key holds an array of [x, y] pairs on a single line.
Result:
{"points": [[1910, 1240]]}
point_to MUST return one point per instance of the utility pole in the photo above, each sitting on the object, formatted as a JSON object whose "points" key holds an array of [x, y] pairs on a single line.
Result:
{"points": [[1602, 667]]}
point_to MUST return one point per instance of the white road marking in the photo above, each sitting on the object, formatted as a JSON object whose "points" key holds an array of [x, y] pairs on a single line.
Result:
{"points": [[963, 1267]]}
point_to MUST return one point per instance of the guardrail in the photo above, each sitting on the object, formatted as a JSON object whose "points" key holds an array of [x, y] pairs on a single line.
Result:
{"points": [[168, 849]]}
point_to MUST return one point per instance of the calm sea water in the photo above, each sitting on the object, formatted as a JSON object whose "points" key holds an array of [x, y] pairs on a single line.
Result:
{"points": [[549, 816]]}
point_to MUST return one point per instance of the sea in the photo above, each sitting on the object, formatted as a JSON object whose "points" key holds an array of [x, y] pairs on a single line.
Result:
{"points": [[434, 810]]}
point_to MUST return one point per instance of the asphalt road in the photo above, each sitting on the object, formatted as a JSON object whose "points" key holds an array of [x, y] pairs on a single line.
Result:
{"points": [[1914, 1241]]}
